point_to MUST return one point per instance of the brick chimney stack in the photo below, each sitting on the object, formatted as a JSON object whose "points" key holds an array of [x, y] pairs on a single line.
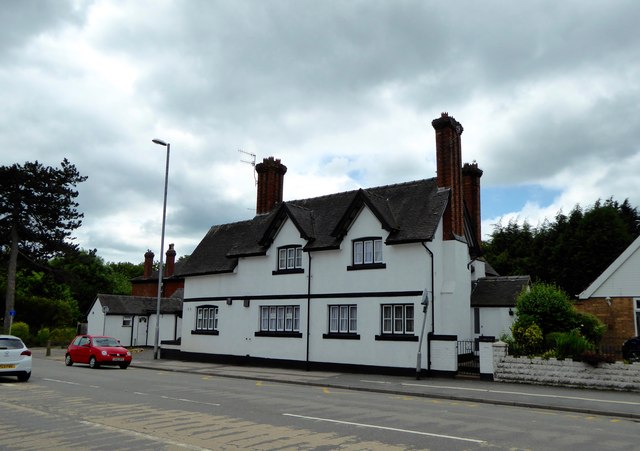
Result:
{"points": [[270, 184], [449, 167], [471, 174], [171, 261], [148, 264]]}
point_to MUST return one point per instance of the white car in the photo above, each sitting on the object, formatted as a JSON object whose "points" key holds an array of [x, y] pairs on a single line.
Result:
{"points": [[15, 358]]}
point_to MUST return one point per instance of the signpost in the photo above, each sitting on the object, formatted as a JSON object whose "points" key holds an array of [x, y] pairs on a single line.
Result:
{"points": [[12, 313]]}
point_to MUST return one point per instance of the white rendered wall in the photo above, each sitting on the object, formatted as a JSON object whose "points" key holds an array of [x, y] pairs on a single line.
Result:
{"points": [[495, 321], [407, 274]]}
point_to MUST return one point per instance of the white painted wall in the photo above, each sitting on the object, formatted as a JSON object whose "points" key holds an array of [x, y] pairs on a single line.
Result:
{"points": [[112, 326], [624, 281], [494, 321], [407, 270]]}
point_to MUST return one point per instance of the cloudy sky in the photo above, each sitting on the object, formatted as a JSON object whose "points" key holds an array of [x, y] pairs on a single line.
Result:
{"points": [[343, 92]]}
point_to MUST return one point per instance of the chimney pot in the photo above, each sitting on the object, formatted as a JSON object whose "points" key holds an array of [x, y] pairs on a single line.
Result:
{"points": [[270, 184], [148, 263], [171, 261]]}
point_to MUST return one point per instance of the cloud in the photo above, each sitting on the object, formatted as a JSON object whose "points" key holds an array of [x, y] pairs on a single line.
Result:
{"points": [[342, 92]]}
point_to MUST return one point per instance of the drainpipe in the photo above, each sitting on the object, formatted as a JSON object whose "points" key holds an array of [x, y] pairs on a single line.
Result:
{"points": [[133, 326], [433, 305], [308, 310]]}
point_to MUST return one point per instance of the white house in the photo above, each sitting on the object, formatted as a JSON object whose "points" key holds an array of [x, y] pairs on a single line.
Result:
{"points": [[132, 319], [338, 280], [493, 304]]}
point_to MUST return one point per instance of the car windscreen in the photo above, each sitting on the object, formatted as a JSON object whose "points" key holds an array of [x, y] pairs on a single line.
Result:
{"points": [[105, 341], [10, 343]]}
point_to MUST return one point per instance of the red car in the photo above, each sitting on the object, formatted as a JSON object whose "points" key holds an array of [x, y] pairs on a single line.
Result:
{"points": [[96, 351]]}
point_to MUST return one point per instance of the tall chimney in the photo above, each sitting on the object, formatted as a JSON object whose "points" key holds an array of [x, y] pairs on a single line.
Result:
{"points": [[148, 264], [471, 174], [270, 184], [449, 167], [171, 261]]}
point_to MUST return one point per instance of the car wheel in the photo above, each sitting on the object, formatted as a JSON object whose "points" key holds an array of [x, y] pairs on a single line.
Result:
{"points": [[93, 363], [634, 356], [67, 360], [124, 366], [24, 377]]}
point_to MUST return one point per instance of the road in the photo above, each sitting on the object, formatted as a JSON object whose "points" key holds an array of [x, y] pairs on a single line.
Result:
{"points": [[109, 408]]}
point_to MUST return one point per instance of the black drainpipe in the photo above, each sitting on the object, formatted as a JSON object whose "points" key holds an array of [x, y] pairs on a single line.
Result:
{"points": [[433, 305], [308, 309], [133, 326]]}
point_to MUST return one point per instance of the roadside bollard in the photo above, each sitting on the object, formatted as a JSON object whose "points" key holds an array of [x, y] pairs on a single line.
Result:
{"points": [[48, 348]]}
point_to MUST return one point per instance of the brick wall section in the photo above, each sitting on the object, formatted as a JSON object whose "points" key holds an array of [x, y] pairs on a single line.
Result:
{"points": [[619, 316], [170, 266], [449, 172], [270, 184], [471, 174]]}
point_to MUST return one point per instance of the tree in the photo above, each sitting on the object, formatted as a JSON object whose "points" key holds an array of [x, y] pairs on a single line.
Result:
{"points": [[570, 251], [38, 213]]}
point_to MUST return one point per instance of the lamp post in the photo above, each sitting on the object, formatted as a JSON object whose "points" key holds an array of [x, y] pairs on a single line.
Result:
{"points": [[156, 340]]}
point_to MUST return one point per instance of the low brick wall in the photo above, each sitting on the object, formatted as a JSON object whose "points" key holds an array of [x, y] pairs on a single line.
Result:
{"points": [[567, 373]]}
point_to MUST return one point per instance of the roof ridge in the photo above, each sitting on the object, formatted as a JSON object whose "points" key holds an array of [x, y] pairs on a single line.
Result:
{"points": [[390, 185]]}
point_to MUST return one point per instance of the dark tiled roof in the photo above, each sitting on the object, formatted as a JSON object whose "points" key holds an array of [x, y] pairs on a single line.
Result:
{"points": [[410, 212], [139, 305], [498, 291]]}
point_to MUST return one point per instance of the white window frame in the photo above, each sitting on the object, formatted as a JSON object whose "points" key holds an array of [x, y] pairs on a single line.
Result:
{"points": [[206, 318], [280, 318], [127, 321], [343, 319], [289, 257], [367, 251], [398, 319]]}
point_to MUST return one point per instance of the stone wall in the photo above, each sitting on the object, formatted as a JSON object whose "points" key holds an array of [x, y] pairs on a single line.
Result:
{"points": [[566, 373]]}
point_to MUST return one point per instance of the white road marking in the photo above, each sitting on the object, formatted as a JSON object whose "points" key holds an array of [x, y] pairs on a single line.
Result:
{"points": [[540, 395], [408, 431], [61, 382]]}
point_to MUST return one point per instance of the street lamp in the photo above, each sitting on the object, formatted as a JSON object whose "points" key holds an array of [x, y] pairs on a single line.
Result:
{"points": [[156, 340]]}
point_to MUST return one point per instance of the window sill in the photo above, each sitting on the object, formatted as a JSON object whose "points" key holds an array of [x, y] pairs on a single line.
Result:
{"points": [[397, 337], [205, 332], [339, 336], [367, 266], [265, 333], [288, 271]]}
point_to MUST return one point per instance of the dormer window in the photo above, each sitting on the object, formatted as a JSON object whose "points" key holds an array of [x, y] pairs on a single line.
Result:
{"points": [[289, 260], [367, 253]]}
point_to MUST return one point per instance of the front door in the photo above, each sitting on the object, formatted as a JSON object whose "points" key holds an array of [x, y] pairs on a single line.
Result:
{"points": [[141, 339]]}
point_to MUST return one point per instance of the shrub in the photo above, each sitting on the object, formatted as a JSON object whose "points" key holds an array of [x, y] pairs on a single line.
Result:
{"points": [[590, 327], [547, 306], [42, 337], [594, 358], [62, 336], [571, 345], [21, 330], [529, 339]]}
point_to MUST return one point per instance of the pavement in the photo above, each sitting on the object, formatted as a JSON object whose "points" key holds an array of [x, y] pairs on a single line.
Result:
{"points": [[621, 404]]}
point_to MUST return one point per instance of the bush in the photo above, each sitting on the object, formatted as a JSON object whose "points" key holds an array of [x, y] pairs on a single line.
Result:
{"points": [[42, 337], [62, 336], [590, 327], [21, 330], [529, 339], [571, 345], [547, 306]]}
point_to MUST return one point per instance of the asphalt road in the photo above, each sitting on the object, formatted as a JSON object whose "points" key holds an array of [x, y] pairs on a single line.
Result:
{"points": [[152, 408]]}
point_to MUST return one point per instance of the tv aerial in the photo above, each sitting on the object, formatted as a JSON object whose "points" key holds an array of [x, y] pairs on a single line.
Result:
{"points": [[252, 162]]}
